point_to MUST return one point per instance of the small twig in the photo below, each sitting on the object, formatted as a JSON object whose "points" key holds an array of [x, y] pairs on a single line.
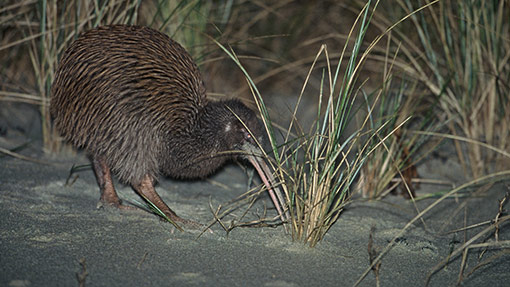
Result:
{"points": [[216, 216], [22, 157], [142, 260], [465, 246], [75, 168], [82, 276], [501, 211], [425, 181], [489, 260], [252, 202], [493, 176], [261, 222], [218, 184], [500, 244], [372, 255], [468, 227]]}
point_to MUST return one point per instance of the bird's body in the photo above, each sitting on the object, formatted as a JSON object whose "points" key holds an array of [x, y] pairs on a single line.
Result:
{"points": [[122, 92], [135, 101]]}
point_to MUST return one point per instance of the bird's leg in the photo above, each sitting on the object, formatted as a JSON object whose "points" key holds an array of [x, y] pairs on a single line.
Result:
{"points": [[104, 179], [146, 189]]}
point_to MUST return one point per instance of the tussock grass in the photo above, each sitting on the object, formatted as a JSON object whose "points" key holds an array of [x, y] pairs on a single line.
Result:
{"points": [[394, 165], [317, 169], [460, 52]]}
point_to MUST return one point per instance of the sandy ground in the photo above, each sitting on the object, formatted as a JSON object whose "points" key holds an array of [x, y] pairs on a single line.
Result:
{"points": [[47, 227]]}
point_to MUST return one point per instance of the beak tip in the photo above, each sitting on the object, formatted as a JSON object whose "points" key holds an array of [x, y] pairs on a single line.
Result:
{"points": [[268, 179]]}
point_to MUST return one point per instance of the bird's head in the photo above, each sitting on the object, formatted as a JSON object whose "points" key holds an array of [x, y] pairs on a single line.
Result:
{"points": [[242, 133], [242, 129]]}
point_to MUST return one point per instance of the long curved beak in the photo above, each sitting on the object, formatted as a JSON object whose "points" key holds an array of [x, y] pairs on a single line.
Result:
{"points": [[267, 178]]}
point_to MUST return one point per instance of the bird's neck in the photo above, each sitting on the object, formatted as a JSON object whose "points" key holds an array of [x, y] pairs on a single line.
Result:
{"points": [[197, 153]]}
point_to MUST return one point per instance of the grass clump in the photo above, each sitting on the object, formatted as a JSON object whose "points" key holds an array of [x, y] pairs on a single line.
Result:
{"points": [[317, 170], [460, 53], [394, 167]]}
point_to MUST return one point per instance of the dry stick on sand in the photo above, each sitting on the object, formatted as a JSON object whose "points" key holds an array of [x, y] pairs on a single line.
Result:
{"points": [[502, 244], [468, 245], [139, 265], [19, 156], [263, 221], [82, 276], [498, 220], [496, 223], [501, 211], [372, 254], [420, 215]]}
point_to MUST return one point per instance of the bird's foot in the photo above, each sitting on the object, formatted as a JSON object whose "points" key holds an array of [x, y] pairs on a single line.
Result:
{"points": [[187, 224]]}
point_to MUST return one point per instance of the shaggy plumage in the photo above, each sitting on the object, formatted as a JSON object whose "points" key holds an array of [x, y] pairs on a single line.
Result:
{"points": [[135, 101]]}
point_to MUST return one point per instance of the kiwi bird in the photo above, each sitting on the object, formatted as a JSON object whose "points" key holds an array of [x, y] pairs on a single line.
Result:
{"points": [[135, 101]]}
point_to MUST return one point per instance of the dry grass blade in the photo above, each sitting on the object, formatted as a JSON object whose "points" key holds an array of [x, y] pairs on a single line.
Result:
{"points": [[501, 152], [506, 250], [246, 202], [158, 211], [82, 276], [505, 245], [469, 244], [22, 157], [460, 52], [490, 177], [372, 254], [22, 98], [497, 223]]}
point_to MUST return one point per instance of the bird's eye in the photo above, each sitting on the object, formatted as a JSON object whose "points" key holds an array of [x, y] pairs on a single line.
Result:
{"points": [[247, 135]]}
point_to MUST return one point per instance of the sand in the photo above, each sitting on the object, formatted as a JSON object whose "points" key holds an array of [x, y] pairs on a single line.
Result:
{"points": [[46, 228]]}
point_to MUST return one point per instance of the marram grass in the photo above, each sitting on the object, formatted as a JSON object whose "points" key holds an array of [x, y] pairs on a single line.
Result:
{"points": [[460, 51], [317, 170]]}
